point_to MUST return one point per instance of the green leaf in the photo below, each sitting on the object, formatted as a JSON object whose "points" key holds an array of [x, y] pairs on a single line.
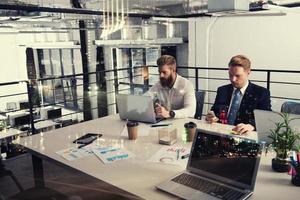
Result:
{"points": [[283, 136]]}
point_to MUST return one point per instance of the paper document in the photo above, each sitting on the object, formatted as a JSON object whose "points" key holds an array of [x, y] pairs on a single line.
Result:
{"points": [[73, 153], [111, 154], [171, 155]]}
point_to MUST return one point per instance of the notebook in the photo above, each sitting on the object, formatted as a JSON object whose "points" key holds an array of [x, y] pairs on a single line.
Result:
{"points": [[220, 166], [265, 121], [136, 108]]}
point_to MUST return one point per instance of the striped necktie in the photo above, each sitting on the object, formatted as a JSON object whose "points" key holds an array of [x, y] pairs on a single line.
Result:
{"points": [[235, 104]]}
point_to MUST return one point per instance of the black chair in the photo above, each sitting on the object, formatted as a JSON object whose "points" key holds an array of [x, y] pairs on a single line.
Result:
{"points": [[35, 193], [5, 172], [200, 96], [291, 107], [67, 122], [39, 193]]}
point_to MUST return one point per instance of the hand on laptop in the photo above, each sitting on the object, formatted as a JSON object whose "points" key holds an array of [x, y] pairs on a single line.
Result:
{"points": [[243, 128], [161, 111], [211, 117]]}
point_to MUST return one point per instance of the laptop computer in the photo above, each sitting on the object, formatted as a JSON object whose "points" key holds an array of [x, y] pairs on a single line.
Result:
{"points": [[136, 108], [220, 166], [265, 121]]}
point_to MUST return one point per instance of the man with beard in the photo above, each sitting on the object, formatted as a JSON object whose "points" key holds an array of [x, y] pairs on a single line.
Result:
{"points": [[174, 94], [237, 101]]}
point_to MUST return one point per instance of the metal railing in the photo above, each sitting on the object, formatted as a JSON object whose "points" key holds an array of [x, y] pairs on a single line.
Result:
{"points": [[106, 89], [269, 79]]}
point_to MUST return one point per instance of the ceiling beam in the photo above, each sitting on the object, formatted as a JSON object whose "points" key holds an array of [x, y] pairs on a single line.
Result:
{"points": [[31, 8]]}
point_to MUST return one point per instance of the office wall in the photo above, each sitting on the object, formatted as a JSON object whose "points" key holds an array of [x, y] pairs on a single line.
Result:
{"points": [[271, 42], [13, 68], [11, 57], [13, 60]]}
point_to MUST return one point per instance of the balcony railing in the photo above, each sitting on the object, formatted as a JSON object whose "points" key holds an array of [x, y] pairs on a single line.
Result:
{"points": [[84, 101]]}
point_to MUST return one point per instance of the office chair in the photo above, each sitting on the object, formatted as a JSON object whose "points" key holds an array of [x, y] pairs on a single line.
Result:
{"points": [[291, 107], [11, 106], [200, 96], [35, 193], [39, 193], [5, 172], [67, 122]]}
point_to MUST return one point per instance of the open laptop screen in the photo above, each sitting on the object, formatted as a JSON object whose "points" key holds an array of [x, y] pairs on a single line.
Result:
{"points": [[136, 108], [226, 158]]}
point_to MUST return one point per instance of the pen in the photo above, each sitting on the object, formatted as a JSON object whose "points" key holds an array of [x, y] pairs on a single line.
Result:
{"points": [[293, 162], [83, 145], [158, 125], [80, 146], [185, 156], [177, 154]]}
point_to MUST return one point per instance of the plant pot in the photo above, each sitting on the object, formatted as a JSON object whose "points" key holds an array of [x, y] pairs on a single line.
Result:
{"points": [[280, 165]]}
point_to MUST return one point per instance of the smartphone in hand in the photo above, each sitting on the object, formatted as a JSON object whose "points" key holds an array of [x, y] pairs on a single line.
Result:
{"points": [[87, 138], [211, 117]]}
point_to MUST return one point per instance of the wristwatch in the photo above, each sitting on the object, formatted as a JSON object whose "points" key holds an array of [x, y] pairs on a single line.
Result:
{"points": [[172, 114]]}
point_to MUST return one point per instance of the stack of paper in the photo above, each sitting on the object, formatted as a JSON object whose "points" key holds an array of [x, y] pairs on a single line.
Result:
{"points": [[175, 155], [106, 154], [111, 154], [74, 153]]}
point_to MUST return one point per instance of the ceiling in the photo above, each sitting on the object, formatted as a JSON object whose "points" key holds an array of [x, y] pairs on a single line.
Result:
{"points": [[98, 3], [19, 18], [167, 8], [150, 7]]}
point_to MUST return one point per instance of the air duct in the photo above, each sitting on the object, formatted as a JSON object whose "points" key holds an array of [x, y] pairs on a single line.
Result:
{"points": [[228, 5]]}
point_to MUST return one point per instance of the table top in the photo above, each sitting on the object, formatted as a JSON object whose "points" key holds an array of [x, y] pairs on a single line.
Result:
{"points": [[136, 175], [44, 124], [6, 133]]}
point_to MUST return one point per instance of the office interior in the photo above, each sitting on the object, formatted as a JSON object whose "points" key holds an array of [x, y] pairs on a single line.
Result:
{"points": [[64, 61]]}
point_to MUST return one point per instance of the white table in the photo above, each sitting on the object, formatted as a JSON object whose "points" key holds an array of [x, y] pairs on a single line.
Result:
{"points": [[6, 133], [136, 175], [45, 125], [42, 125]]}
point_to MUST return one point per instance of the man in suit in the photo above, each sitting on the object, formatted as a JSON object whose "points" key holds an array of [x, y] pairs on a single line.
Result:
{"points": [[240, 98]]}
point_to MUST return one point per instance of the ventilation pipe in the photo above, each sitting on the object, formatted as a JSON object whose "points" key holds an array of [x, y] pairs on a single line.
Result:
{"points": [[228, 5]]}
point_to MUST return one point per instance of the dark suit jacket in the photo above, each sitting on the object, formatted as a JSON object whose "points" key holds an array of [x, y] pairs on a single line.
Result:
{"points": [[255, 97]]}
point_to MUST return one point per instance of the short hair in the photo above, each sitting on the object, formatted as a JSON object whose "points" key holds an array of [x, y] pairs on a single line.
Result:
{"points": [[240, 61], [166, 60]]}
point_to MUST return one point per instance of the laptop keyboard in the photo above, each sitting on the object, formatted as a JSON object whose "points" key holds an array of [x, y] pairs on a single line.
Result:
{"points": [[208, 187]]}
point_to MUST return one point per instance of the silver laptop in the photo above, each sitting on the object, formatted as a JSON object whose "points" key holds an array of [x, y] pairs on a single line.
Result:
{"points": [[136, 108], [220, 167], [265, 121]]}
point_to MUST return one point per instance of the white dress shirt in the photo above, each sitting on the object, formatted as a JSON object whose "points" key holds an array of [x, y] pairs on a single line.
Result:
{"points": [[180, 98]]}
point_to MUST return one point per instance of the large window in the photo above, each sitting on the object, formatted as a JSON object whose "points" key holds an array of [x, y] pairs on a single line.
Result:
{"points": [[61, 67]]}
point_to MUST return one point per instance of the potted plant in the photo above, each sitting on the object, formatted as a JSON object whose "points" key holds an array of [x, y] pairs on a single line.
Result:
{"points": [[2, 125], [283, 141]]}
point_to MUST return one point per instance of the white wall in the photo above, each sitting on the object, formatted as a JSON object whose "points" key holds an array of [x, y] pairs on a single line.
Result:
{"points": [[11, 57], [271, 42], [13, 61], [13, 68]]}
